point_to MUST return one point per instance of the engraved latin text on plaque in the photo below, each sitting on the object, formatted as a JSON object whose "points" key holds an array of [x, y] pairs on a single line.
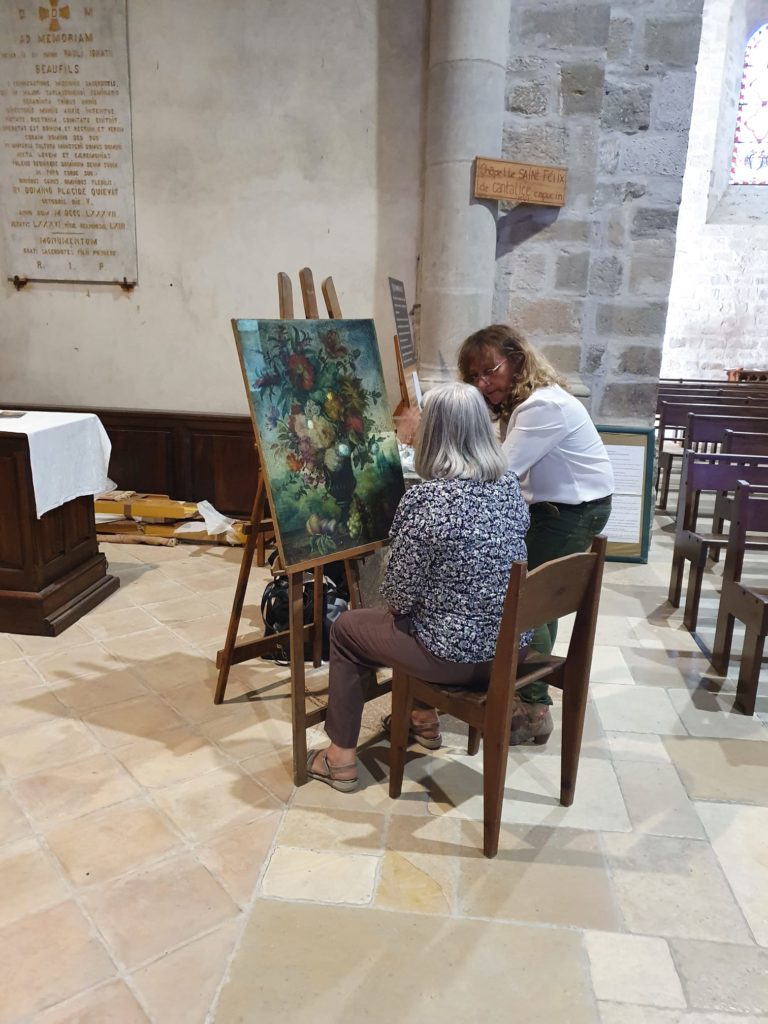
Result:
{"points": [[66, 163]]}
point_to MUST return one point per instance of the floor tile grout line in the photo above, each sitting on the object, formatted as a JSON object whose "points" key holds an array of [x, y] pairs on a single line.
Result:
{"points": [[94, 930], [246, 916], [221, 750], [722, 872], [125, 972]]}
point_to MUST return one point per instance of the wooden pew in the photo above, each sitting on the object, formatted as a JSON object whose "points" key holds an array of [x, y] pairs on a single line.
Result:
{"points": [[741, 443], [673, 421], [715, 381], [738, 601], [714, 397], [704, 473]]}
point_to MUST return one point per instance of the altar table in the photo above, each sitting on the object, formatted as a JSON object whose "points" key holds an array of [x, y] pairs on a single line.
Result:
{"points": [[51, 570]]}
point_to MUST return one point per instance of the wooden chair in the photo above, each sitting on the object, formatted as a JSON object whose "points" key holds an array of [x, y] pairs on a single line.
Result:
{"points": [[552, 590], [701, 473], [672, 433], [739, 601], [739, 443]]}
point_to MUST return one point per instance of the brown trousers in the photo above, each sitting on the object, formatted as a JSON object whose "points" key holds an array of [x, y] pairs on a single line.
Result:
{"points": [[365, 639]]}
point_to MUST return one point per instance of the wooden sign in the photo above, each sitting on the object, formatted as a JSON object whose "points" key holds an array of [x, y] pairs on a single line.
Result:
{"points": [[519, 183]]}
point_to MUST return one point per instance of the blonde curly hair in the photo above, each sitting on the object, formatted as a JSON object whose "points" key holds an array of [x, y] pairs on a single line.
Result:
{"points": [[534, 370]]}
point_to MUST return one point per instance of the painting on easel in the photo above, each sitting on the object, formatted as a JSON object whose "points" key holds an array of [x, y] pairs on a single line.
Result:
{"points": [[325, 433]]}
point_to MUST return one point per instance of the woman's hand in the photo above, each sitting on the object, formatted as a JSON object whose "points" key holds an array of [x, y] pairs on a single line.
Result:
{"points": [[406, 424]]}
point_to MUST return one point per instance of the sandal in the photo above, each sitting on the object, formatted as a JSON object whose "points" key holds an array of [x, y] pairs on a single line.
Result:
{"points": [[328, 776], [416, 733]]}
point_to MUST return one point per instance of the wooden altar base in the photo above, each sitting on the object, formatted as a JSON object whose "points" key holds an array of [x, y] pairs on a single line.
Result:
{"points": [[51, 570]]}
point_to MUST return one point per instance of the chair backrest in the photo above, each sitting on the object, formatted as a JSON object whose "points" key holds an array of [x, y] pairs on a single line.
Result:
{"points": [[696, 381], [744, 443], [750, 515], [554, 589], [750, 506], [733, 397], [675, 414], [709, 429], [714, 472]]}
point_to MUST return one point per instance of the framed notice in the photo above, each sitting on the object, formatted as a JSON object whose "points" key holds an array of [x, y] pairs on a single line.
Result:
{"points": [[66, 160], [628, 530]]}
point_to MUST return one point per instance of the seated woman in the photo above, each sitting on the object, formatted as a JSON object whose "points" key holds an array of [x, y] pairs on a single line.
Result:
{"points": [[453, 541]]}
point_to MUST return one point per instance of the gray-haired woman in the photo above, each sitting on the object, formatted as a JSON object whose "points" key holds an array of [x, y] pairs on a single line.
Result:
{"points": [[453, 541]]}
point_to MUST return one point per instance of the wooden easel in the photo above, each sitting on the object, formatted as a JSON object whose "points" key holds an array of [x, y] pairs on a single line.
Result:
{"points": [[234, 653]]}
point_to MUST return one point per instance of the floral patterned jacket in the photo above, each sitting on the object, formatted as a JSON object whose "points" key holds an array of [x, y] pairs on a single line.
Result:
{"points": [[453, 543]]}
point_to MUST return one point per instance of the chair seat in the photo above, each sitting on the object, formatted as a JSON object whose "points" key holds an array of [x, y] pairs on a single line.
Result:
{"points": [[536, 666], [720, 540]]}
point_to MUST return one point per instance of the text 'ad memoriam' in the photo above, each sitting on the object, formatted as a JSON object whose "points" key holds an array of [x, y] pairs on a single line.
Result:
{"points": [[66, 163]]}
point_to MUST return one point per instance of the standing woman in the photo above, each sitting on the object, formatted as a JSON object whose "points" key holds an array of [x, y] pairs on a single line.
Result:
{"points": [[565, 474], [454, 539]]}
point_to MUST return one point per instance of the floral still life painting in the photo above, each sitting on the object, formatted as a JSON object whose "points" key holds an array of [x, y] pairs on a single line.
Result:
{"points": [[325, 432]]}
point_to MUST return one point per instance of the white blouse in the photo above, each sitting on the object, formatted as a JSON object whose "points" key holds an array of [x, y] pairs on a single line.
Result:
{"points": [[553, 446]]}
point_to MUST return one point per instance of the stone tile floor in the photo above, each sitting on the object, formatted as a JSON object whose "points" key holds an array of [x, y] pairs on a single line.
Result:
{"points": [[156, 863]]}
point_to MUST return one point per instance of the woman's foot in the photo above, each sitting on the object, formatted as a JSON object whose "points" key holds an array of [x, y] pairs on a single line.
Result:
{"points": [[334, 767], [530, 722], [424, 729]]}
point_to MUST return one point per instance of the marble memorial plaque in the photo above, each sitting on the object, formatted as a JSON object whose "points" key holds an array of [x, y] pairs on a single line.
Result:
{"points": [[66, 161]]}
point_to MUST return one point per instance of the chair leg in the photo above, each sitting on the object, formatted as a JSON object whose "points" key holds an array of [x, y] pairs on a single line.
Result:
{"points": [[721, 648], [749, 674], [402, 702], [473, 741], [718, 522], [495, 756], [665, 471], [693, 592], [676, 579], [574, 710]]}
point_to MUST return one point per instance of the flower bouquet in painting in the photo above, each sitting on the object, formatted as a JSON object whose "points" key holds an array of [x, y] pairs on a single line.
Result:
{"points": [[325, 431]]}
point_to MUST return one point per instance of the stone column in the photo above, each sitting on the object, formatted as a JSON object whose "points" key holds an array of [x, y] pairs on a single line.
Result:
{"points": [[465, 112]]}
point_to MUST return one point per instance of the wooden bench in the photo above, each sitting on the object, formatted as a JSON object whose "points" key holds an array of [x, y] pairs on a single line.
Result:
{"points": [[672, 439], [738, 601], [705, 472], [740, 443], [713, 397]]}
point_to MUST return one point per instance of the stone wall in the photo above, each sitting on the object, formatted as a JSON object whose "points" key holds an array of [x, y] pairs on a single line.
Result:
{"points": [[606, 91], [718, 306]]}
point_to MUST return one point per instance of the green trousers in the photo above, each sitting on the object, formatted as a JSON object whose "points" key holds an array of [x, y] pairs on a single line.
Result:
{"points": [[555, 531]]}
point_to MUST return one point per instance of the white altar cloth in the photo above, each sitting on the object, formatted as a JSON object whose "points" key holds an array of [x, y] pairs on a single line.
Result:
{"points": [[68, 452]]}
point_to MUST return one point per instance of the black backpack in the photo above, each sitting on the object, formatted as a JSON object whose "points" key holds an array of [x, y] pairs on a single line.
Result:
{"points": [[275, 610]]}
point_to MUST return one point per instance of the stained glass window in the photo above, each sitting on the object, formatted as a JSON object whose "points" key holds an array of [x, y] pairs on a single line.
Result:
{"points": [[749, 162]]}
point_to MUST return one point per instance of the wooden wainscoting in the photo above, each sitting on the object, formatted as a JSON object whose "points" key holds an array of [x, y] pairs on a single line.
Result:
{"points": [[189, 456]]}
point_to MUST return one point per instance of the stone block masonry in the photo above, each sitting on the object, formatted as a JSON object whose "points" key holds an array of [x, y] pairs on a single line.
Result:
{"points": [[605, 90]]}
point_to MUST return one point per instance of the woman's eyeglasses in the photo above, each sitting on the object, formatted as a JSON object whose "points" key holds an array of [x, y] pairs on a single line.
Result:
{"points": [[475, 378]]}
